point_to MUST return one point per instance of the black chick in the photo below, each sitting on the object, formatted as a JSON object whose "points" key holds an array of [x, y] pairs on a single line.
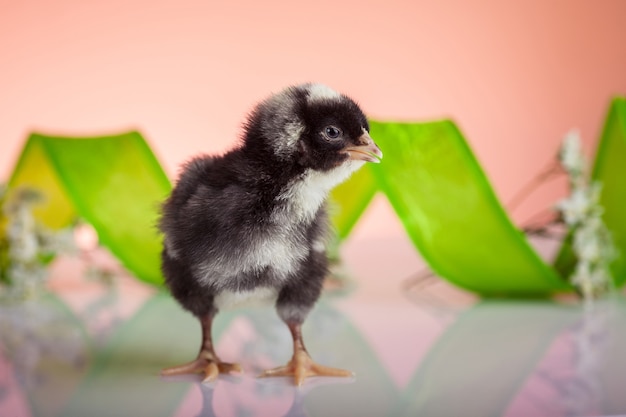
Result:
{"points": [[252, 224]]}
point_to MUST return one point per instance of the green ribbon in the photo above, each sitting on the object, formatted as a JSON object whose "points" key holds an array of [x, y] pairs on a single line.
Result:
{"points": [[610, 170], [113, 182], [450, 212], [429, 174]]}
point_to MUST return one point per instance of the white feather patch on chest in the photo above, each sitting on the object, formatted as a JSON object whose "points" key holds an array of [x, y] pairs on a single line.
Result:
{"points": [[304, 196], [261, 296], [277, 250], [283, 252]]}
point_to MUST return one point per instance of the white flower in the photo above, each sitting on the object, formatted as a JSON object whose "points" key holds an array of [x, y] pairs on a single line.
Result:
{"points": [[25, 249], [27, 280], [583, 278], [587, 245], [580, 204], [592, 275], [26, 246], [582, 273], [21, 223], [570, 155], [592, 241], [61, 241], [582, 213], [22, 235]]}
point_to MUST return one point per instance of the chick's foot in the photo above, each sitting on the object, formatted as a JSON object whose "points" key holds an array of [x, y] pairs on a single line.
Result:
{"points": [[302, 366], [207, 364]]}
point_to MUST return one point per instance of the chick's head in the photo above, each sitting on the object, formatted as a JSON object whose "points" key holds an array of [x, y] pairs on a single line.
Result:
{"points": [[314, 127]]}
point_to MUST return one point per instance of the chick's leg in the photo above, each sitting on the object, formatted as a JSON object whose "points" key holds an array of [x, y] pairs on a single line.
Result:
{"points": [[207, 361], [301, 365]]}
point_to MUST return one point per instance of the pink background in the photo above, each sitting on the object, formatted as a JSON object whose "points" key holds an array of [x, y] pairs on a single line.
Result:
{"points": [[516, 77]]}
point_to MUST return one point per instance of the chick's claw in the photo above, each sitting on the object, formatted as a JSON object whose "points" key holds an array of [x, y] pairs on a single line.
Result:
{"points": [[302, 366], [211, 368]]}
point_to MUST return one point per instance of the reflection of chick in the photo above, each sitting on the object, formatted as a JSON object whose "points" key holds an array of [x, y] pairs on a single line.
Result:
{"points": [[251, 224]]}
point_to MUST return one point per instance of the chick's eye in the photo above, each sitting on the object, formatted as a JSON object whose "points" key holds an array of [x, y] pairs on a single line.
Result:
{"points": [[332, 132]]}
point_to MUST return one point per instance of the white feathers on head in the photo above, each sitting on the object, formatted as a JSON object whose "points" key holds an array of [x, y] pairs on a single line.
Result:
{"points": [[284, 128], [322, 92]]}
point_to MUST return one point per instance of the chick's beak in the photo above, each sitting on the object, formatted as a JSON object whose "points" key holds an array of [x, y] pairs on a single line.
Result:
{"points": [[367, 150]]}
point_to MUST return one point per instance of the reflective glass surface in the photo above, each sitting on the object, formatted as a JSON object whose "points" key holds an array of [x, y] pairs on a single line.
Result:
{"points": [[417, 346]]}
